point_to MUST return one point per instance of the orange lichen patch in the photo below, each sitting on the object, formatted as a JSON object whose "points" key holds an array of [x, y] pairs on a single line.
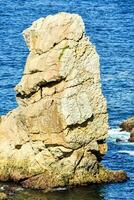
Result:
{"points": [[103, 148]]}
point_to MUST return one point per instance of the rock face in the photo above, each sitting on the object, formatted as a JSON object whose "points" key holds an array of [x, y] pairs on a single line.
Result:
{"points": [[56, 136], [128, 125]]}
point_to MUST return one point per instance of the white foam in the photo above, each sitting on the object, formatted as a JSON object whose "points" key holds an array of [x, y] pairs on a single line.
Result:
{"points": [[131, 153], [117, 133], [59, 189]]}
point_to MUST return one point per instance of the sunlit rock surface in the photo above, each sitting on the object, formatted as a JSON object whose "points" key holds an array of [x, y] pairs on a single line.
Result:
{"points": [[56, 136]]}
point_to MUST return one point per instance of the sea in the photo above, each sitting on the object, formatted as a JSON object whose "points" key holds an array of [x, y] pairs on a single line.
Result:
{"points": [[110, 27]]}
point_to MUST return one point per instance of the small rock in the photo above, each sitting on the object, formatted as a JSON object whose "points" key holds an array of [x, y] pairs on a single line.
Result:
{"points": [[120, 140], [131, 139], [127, 125]]}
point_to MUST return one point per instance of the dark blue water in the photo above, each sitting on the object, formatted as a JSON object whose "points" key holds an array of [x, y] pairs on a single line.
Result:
{"points": [[110, 24]]}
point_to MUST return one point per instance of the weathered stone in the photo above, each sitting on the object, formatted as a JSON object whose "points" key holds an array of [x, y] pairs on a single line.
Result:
{"points": [[128, 125], [131, 139], [57, 135]]}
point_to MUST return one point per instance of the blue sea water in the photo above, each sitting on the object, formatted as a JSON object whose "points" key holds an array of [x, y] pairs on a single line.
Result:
{"points": [[110, 25]]}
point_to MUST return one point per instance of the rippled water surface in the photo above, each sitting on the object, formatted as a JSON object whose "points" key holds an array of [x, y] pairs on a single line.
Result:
{"points": [[110, 25]]}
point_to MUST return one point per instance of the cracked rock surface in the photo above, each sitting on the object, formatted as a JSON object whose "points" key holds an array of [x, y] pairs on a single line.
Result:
{"points": [[56, 136]]}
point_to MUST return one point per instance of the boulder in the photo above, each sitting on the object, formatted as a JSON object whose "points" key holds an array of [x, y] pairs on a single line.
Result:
{"points": [[128, 125], [57, 135]]}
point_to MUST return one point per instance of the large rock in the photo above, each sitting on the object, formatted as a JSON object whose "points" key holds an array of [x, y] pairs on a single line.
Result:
{"points": [[56, 136]]}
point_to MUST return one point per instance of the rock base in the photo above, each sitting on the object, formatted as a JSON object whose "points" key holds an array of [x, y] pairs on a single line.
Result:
{"points": [[48, 183]]}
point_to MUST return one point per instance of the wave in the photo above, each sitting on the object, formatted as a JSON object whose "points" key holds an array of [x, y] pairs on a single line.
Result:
{"points": [[131, 153], [117, 133]]}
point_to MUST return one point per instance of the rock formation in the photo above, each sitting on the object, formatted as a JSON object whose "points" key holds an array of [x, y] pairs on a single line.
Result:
{"points": [[57, 134], [128, 125]]}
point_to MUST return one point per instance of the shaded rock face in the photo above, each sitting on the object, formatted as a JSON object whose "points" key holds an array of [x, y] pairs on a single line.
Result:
{"points": [[56, 135]]}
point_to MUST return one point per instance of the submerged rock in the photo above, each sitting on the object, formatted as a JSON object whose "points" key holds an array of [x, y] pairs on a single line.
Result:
{"points": [[57, 135], [120, 140], [131, 139]]}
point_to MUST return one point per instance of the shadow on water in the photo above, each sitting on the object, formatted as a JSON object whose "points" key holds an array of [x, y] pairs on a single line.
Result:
{"points": [[81, 193]]}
